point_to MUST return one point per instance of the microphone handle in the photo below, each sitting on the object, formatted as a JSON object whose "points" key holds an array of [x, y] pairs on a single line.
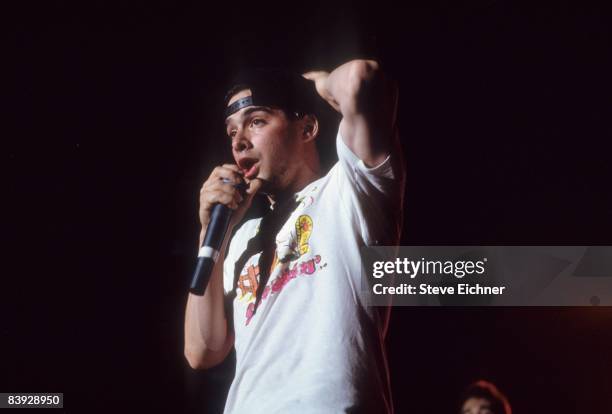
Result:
{"points": [[209, 252]]}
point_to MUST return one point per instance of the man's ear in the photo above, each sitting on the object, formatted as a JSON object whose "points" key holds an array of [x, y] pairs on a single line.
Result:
{"points": [[310, 127]]}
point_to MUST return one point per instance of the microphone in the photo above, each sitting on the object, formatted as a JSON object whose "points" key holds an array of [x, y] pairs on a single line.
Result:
{"points": [[208, 254]]}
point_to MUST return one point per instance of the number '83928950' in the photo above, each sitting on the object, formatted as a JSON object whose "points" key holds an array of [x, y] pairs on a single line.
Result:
{"points": [[45, 399]]}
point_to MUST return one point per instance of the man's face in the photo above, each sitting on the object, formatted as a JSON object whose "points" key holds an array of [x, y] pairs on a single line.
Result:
{"points": [[476, 406], [264, 143]]}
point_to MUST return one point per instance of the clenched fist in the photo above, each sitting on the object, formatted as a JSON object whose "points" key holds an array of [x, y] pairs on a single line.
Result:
{"points": [[220, 187]]}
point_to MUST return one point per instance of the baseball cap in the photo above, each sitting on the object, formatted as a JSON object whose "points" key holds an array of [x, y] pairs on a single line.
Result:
{"points": [[275, 88]]}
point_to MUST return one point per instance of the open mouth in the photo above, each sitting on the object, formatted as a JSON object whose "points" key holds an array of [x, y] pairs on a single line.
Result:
{"points": [[249, 167]]}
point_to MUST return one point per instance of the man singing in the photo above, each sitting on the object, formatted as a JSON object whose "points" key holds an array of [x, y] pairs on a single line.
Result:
{"points": [[288, 295]]}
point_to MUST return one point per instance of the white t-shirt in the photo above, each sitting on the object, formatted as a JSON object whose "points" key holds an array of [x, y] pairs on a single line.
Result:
{"points": [[313, 346]]}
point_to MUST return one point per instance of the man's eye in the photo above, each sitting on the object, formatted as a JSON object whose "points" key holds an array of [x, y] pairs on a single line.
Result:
{"points": [[257, 122], [232, 133]]}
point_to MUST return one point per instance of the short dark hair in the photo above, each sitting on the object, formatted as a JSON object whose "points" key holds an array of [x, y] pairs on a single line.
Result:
{"points": [[487, 390]]}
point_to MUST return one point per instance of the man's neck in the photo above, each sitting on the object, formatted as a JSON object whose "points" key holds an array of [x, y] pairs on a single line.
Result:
{"points": [[280, 196]]}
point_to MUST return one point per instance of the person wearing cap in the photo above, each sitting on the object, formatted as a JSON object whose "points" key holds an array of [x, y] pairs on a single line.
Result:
{"points": [[288, 295]]}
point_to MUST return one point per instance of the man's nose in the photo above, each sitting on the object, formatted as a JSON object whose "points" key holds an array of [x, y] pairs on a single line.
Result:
{"points": [[240, 142]]}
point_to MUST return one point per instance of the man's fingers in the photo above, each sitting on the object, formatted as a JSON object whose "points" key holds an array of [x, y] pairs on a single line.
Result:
{"points": [[226, 169], [219, 197], [227, 172], [220, 184], [319, 77], [232, 167], [313, 75], [254, 186], [221, 187]]}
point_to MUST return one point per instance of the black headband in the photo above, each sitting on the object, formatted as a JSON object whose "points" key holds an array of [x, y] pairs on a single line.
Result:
{"points": [[273, 88], [238, 105]]}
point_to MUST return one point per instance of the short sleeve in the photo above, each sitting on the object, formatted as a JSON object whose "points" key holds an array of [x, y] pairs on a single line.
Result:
{"points": [[372, 195]]}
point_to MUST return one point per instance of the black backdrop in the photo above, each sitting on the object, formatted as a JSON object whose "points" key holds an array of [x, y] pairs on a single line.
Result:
{"points": [[111, 129]]}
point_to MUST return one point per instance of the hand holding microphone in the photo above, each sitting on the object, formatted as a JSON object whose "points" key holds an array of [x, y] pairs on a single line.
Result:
{"points": [[224, 199]]}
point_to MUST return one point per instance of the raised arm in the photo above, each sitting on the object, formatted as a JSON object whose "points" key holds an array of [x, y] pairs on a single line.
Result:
{"points": [[367, 100]]}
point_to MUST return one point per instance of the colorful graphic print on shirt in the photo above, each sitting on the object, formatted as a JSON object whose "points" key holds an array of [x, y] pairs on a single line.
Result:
{"points": [[296, 247]]}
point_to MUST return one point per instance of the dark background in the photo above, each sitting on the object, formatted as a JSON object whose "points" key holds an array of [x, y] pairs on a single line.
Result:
{"points": [[112, 127]]}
